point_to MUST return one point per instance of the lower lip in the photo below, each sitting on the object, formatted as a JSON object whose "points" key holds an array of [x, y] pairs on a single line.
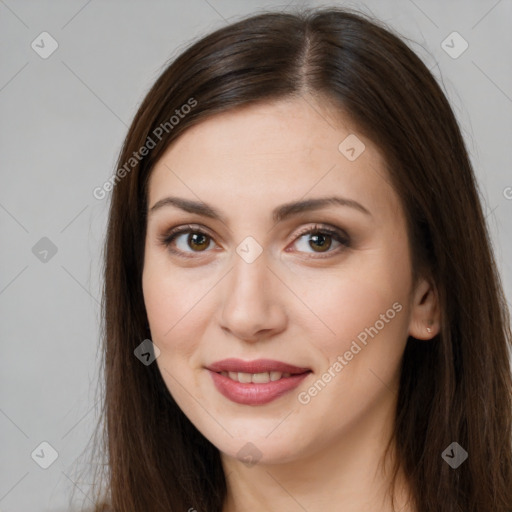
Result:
{"points": [[255, 394]]}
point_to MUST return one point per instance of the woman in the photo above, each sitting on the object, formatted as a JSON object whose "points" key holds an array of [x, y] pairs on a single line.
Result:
{"points": [[301, 307]]}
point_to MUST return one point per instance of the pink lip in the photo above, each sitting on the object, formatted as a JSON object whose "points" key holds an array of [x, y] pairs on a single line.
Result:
{"points": [[251, 393]]}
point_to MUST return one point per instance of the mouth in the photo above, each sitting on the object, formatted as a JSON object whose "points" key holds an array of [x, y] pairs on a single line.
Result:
{"points": [[255, 382]]}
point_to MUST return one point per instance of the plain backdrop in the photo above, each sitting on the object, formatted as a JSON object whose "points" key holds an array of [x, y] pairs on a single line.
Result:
{"points": [[63, 119]]}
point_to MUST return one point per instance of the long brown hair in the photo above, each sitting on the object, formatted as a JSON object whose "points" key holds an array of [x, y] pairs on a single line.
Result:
{"points": [[456, 387]]}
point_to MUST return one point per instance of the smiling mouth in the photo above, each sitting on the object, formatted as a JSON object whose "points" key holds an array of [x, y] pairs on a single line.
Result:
{"points": [[255, 382]]}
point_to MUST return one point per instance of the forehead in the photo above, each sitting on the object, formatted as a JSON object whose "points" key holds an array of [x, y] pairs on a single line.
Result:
{"points": [[271, 153]]}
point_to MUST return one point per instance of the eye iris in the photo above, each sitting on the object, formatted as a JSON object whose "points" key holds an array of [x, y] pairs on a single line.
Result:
{"points": [[321, 240], [200, 240]]}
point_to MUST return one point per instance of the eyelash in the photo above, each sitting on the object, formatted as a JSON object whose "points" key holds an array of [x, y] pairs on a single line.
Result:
{"points": [[167, 238]]}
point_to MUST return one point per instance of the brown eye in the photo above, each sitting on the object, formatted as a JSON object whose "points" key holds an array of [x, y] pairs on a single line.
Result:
{"points": [[195, 240], [320, 241], [198, 241]]}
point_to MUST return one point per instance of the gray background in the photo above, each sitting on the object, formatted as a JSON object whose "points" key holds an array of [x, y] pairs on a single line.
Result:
{"points": [[63, 120]]}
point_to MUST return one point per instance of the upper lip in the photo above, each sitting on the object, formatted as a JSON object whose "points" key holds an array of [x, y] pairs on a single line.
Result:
{"points": [[255, 366]]}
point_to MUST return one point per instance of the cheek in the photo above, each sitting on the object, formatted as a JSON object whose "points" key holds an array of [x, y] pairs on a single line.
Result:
{"points": [[365, 303], [171, 303], [174, 310], [367, 311], [351, 306]]}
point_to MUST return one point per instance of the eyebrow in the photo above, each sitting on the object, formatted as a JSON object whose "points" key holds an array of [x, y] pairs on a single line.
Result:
{"points": [[278, 214]]}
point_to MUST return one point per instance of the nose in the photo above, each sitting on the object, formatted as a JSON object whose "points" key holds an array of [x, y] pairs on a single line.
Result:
{"points": [[253, 307]]}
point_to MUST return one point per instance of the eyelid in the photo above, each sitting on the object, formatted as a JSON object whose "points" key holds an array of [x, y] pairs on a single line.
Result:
{"points": [[323, 228]]}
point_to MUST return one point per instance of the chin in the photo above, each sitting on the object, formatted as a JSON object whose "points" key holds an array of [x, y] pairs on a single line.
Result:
{"points": [[262, 441]]}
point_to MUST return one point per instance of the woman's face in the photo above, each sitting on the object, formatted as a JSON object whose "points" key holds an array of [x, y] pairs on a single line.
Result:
{"points": [[325, 287]]}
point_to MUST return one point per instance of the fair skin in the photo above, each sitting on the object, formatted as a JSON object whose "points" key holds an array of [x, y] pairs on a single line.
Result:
{"points": [[299, 302]]}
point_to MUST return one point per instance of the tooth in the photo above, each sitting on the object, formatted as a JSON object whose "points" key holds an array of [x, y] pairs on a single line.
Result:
{"points": [[257, 378], [260, 378], [244, 377]]}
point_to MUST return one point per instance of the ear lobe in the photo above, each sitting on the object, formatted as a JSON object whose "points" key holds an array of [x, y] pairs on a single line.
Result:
{"points": [[425, 312]]}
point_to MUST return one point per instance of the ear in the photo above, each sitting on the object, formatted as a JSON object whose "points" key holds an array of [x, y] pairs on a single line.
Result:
{"points": [[425, 311]]}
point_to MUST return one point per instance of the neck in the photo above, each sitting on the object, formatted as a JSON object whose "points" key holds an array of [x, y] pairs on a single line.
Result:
{"points": [[351, 475]]}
